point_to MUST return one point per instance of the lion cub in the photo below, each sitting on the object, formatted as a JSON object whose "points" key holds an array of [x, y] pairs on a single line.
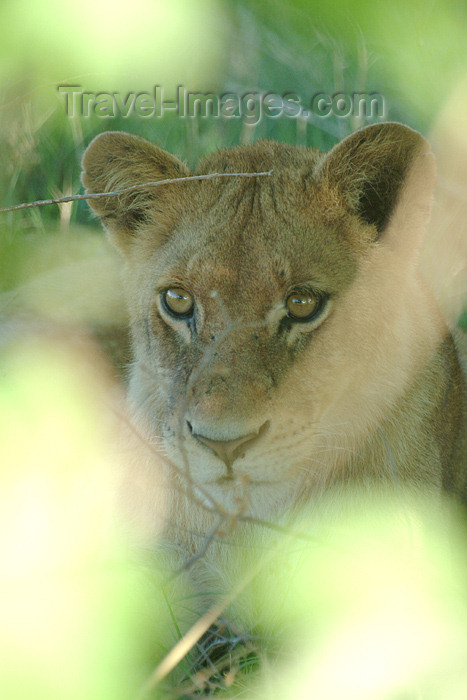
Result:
{"points": [[284, 344]]}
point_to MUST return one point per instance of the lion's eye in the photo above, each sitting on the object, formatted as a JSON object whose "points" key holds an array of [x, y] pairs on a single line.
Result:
{"points": [[178, 302], [303, 305]]}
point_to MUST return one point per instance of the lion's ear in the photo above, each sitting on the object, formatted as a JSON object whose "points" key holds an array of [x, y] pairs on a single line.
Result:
{"points": [[114, 161], [384, 172]]}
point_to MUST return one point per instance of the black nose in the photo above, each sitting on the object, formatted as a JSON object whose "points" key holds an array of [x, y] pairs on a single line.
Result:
{"points": [[230, 450]]}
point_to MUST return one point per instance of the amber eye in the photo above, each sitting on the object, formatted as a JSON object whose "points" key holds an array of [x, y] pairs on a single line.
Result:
{"points": [[303, 305], [178, 302]]}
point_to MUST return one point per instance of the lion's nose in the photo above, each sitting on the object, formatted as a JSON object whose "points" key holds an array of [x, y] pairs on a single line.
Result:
{"points": [[230, 450]]}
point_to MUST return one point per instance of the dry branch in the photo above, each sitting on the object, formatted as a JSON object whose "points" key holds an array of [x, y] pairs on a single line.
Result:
{"points": [[76, 197]]}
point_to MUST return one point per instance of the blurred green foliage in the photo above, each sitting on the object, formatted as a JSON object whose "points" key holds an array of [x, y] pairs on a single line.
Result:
{"points": [[412, 53]]}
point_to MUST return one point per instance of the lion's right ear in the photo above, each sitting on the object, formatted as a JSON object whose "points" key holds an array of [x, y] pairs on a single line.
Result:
{"points": [[114, 161]]}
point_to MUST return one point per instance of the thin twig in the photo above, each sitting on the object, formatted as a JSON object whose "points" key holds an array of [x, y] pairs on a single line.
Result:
{"points": [[201, 552], [77, 197], [216, 507], [194, 634], [9, 301]]}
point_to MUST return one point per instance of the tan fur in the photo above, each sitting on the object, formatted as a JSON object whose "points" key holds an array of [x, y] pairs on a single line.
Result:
{"points": [[368, 394]]}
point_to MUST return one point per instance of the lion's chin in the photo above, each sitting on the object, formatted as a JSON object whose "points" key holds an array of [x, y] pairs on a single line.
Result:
{"points": [[257, 498]]}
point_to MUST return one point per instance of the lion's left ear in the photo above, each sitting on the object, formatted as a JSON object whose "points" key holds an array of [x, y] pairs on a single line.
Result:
{"points": [[385, 174], [114, 161]]}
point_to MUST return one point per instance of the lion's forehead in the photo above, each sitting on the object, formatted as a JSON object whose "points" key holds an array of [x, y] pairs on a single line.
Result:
{"points": [[263, 264], [238, 257], [239, 275]]}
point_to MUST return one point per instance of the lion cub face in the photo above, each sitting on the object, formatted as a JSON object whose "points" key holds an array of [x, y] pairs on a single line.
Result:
{"points": [[268, 314]]}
